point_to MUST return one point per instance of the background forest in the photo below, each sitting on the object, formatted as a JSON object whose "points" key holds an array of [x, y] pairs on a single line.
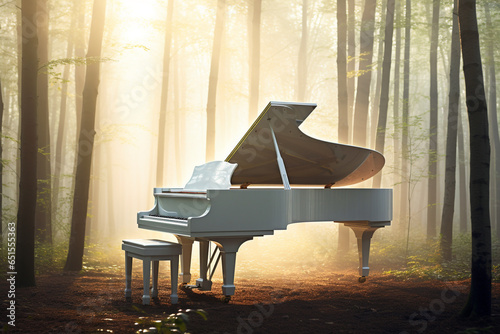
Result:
{"points": [[181, 81]]}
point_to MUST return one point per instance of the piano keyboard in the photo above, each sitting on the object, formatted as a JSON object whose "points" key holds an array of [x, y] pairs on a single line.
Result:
{"points": [[170, 217], [201, 195]]}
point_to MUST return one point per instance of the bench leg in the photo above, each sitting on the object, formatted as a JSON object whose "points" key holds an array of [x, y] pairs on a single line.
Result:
{"points": [[146, 271], [174, 269], [128, 275], [154, 290]]}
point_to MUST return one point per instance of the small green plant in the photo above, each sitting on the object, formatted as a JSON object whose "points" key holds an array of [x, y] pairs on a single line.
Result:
{"points": [[479, 330], [174, 323]]}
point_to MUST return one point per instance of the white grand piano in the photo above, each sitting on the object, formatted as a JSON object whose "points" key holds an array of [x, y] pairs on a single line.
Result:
{"points": [[250, 194]]}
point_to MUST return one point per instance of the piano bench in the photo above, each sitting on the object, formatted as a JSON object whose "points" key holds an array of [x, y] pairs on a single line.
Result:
{"points": [[151, 250]]}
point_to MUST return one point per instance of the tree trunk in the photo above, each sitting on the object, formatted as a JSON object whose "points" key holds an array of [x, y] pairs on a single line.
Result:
{"points": [[113, 223], [495, 171], [384, 94], [396, 114], [375, 98], [451, 142], [479, 302], [1, 166], [343, 100], [25, 248], [343, 127], [86, 141], [254, 12], [364, 79], [59, 159], [433, 128], [302, 61], [405, 214], [344, 231], [214, 78], [43, 227], [462, 177], [179, 103], [80, 46], [160, 153], [351, 66], [20, 41]]}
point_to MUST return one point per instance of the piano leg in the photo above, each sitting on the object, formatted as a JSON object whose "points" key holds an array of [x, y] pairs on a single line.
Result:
{"points": [[203, 283], [228, 270], [228, 248], [364, 232], [187, 247]]}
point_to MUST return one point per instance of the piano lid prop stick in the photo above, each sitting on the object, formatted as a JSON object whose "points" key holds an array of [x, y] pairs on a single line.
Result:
{"points": [[281, 164]]}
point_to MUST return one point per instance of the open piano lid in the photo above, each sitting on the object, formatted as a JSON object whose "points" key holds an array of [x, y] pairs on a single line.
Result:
{"points": [[307, 161]]}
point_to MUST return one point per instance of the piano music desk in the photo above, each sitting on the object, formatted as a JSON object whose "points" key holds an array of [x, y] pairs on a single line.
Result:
{"points": [[148, 251]]}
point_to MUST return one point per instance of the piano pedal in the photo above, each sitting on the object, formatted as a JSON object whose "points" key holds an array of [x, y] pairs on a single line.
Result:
{"points": [[185, 286], [203, 284], [207, 286], [362, 279]]}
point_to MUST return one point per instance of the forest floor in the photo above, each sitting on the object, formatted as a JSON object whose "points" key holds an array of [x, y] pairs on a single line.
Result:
{"points": [[276, 301]]}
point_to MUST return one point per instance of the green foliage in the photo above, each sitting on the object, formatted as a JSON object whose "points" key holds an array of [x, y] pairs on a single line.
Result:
{"points": [[417, 151], [49, 257], [103, 257], [495, 273], [426, 262], [478, 330], [50, 67], [174, 323]]}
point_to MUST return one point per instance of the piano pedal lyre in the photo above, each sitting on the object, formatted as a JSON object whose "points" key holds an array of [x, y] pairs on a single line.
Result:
{"points": [[207, 268], [216, 254]]}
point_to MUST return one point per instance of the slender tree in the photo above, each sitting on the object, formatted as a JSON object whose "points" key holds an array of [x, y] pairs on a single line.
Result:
{"points": [[433, 128], [86, 141], [160, 153], [80, 46], [343, 99], [384, 93], [179, 101], [479, 302], [214, 78], [59, 159], [43, 209], [25, 250], [254, 13], [351, 65], [493, 120], [451, 142], [364, 79], [302, 61], [344, 233], [375, 96], [396, 111], [1, 164], [462, 177], [405, 116]]}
